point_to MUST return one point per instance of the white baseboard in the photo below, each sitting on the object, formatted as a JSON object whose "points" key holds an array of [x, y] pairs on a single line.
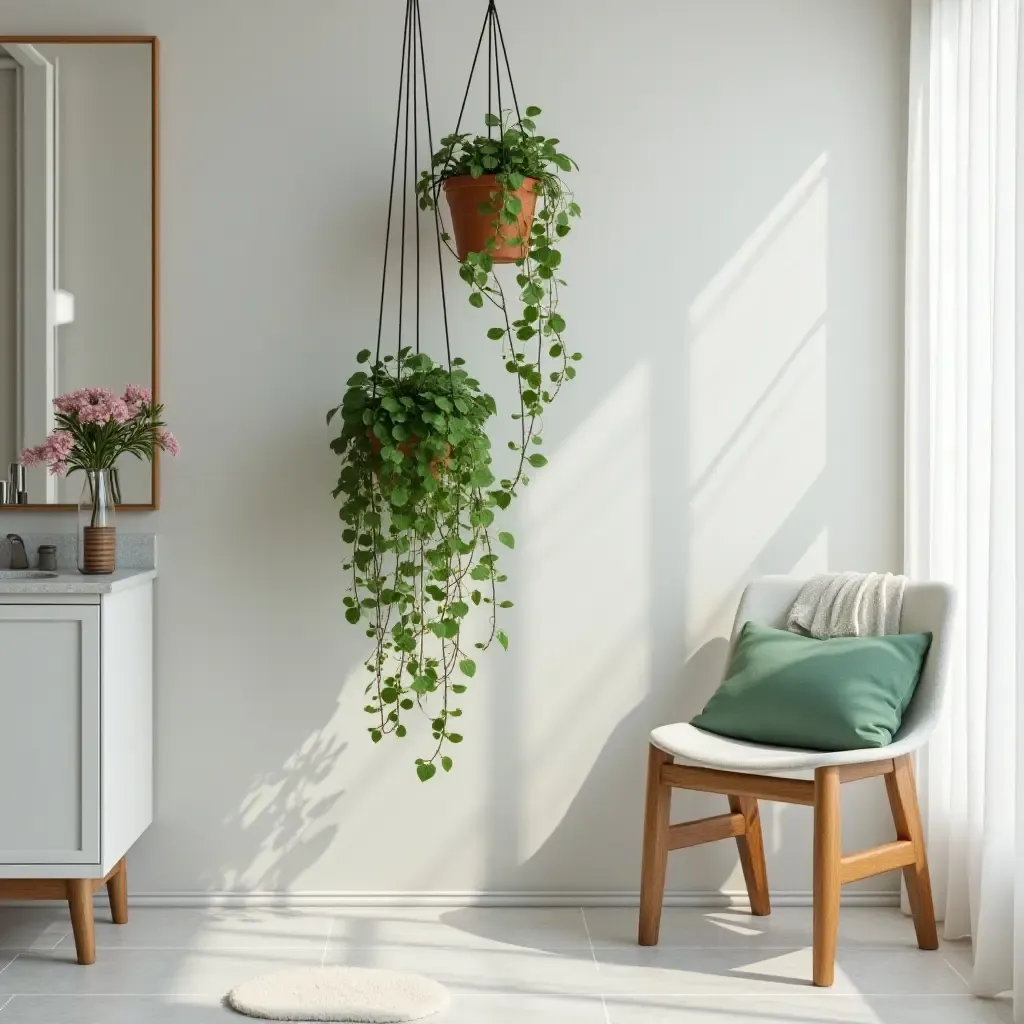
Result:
{"points": [[485, 899]]}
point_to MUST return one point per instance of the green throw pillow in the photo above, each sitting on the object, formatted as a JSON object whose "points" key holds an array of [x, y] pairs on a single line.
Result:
{"points": [[794, 691]]}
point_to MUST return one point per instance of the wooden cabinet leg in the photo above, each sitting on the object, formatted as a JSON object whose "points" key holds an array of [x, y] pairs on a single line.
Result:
{"points": [[655, 855], [117, 891], [82, 923], [828, 851], [751, 847], [902, 791]]}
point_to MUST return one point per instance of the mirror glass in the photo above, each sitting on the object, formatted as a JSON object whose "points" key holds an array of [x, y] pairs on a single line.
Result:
{"points": [[76, 241]]}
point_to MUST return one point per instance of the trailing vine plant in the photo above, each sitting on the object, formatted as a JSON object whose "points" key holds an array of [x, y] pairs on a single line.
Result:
{"points": [[535, 334], [418, 511]]}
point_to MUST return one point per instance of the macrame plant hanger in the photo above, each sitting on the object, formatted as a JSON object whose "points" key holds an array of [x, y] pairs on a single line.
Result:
{"points": [[491, 28], [412, 72]]}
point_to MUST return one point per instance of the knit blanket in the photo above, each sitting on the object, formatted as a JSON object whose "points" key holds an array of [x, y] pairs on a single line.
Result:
{"points": [[848, 604]]}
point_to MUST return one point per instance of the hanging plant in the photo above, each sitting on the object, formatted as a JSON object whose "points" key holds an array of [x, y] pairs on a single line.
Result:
{"points": [[418, 514], [509, 204]]}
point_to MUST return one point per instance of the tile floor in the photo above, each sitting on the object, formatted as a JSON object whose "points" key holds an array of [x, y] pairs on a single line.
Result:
{"points": [[542, 966]]}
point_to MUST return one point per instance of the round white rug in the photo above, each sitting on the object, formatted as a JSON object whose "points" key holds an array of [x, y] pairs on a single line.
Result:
{"points": [[340, 993]]}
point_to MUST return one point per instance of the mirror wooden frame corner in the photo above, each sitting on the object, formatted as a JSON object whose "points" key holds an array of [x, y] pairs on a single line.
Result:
{"points": [[154, 43]]}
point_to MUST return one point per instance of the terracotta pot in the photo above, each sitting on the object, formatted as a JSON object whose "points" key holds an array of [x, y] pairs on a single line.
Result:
{"points": [[473, 229], [408, 449]]}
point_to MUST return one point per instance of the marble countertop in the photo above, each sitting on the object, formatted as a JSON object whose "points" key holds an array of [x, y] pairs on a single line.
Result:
{"points": [[70, 582]]}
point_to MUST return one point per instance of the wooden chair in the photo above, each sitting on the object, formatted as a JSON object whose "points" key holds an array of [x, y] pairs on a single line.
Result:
{"points": [[746, 772]]}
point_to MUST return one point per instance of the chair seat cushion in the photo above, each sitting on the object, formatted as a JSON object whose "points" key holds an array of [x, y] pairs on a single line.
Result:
{"points": [[844, 693]]}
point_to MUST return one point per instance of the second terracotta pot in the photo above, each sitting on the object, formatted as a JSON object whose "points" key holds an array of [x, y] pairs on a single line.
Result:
{"points": [[408, 449], [474, 229]]}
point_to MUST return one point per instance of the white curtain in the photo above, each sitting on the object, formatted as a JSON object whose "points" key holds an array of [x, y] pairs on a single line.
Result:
{"points": [[964, 467]]}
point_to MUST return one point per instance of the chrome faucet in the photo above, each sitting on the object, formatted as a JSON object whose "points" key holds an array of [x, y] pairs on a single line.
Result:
{"points": [[19, 560]]}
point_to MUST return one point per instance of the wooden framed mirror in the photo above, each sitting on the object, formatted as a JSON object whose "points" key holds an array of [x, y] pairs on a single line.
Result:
{"points": [[79, 241]]}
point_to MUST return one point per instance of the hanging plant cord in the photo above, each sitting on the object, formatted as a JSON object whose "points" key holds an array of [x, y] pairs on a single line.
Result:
{"points": [[413, 66]]}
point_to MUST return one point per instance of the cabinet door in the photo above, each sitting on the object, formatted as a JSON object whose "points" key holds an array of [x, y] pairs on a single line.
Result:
{"points": [[49, 734]]}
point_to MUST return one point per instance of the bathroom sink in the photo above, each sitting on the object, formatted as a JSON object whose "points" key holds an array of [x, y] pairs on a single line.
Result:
{"points": [[26, 574]]}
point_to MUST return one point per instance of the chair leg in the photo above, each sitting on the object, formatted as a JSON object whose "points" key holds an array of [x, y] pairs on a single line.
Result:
{"points": [[828, 851], [117, 892], [655, 854], [80, 903], [751, 847], [902, 791]]}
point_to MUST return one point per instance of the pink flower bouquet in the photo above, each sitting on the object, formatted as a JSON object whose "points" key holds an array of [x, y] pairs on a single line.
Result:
{"points": [[95, 428]]}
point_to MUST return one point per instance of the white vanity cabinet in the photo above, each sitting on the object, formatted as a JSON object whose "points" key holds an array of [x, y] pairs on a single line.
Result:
{"points": [[76, 739]]}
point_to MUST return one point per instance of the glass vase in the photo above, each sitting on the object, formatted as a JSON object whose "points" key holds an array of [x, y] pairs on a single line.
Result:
{"points": [[97, 529]]}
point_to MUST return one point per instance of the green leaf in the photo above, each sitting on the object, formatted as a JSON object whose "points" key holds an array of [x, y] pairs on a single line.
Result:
{"points": [[454, 737], [399, 496], [537, 460], [505, 604], [496, 333], [375, 735], [459, 609], [389, 695], [426, 771], [476, 299], [492, 121], [507, 539], [534, 112], [468, 667], [556, 323], [446, 628], [458, 688], [532, 294], [400, 731], [502, 639], [363, 356], [446, 763], [352, 614]]}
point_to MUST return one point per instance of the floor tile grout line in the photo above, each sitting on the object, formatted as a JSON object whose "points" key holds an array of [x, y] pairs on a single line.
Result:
{"points": [[58, 942], [8, 964], [5, 1003], [327, 942]]}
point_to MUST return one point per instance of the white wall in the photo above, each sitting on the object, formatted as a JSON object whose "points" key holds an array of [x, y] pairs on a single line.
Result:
{"points": [[736, 286]]}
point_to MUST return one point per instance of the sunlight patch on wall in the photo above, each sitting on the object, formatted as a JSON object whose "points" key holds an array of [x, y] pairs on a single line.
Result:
{"points": [[758, 403], [586, 602]]}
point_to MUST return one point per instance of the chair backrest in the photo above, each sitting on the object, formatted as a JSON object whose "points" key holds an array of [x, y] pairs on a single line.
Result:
{"points": [[927, 608]]}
